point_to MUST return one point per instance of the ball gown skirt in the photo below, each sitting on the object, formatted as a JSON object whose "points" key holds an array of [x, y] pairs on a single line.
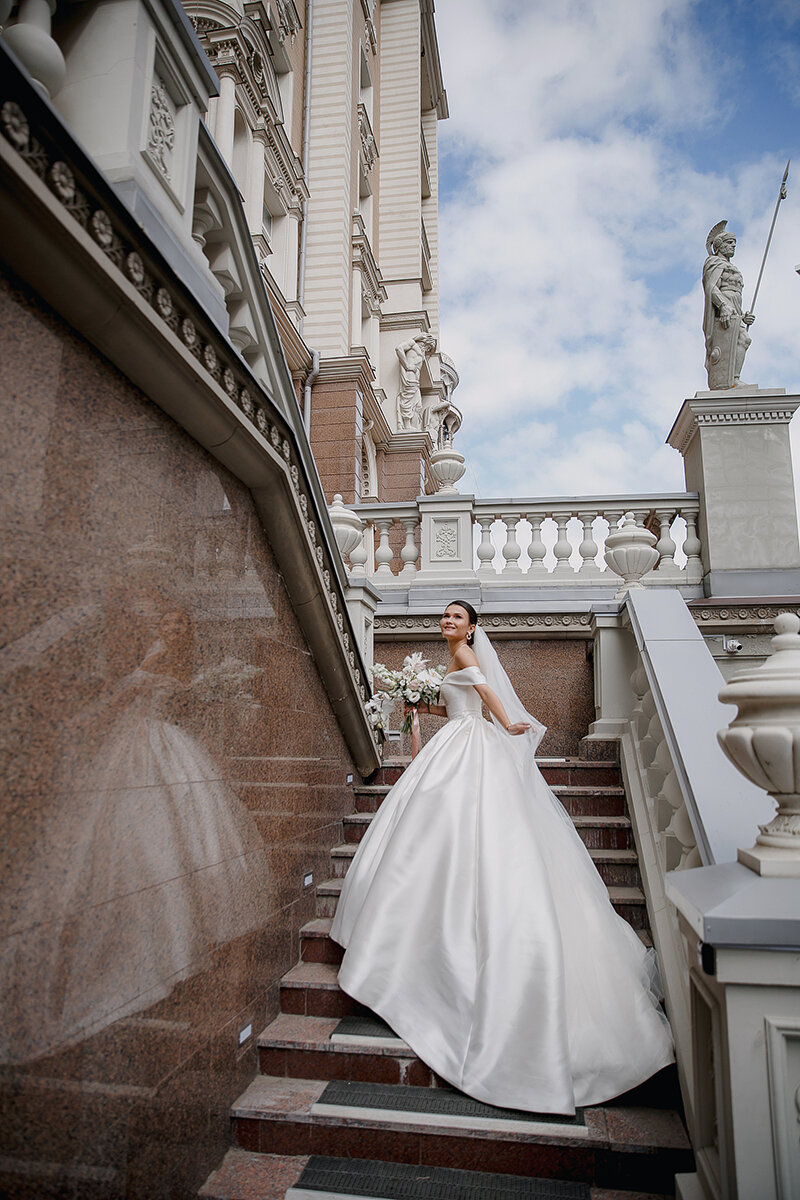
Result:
{"points": [[476, 925]]}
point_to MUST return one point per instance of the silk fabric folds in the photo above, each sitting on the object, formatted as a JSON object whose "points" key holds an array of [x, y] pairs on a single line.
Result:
{"points": [[477, 926]]}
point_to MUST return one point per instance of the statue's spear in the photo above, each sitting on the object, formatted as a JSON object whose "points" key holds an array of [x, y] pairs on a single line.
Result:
{"points": [[781, 196]]}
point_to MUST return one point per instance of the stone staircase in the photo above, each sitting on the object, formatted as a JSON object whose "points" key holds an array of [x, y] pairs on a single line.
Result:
{"points": [[340, 1108]]}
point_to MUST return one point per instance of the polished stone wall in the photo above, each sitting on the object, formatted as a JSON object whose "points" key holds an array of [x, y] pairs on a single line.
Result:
{"points": [[173, 770], [553, 679]]}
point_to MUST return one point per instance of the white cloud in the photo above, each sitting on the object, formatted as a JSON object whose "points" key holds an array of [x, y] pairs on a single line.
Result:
{"points": [[571, 255]]}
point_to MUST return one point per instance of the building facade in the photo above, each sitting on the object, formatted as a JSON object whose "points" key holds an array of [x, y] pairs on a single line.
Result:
{"points": [[327, 117]]}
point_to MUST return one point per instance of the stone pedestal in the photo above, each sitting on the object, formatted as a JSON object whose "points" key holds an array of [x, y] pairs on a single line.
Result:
{"points": [[742, 934], [362, 602], [615, 661], [735, 446], [445, 540]]}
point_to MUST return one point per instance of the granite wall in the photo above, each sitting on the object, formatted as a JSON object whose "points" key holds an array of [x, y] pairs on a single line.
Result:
{"points": [[553, 679], [173, 770]]}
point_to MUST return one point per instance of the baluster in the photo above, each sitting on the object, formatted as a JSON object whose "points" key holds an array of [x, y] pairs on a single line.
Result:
{"points": [[665, 545], [563, 546], [692, 548], [410, 551], [358, 558], [537, 549], [512, 549], [30, 39], [384, 553], [486, 548], [588, 548]]}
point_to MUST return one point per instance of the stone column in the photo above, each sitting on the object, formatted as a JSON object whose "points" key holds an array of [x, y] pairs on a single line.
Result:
{"points": [[736, 452], [226, 109]]}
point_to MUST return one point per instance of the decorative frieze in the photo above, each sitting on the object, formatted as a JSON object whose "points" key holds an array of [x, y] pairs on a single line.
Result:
{"points": [[506, 625], [742, 618]]}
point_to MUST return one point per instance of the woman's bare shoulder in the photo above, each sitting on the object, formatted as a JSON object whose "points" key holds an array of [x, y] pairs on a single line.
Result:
{"points": [[465, 657]]}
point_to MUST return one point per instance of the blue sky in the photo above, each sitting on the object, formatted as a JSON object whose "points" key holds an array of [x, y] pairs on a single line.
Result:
{"points": [[591, 146]]}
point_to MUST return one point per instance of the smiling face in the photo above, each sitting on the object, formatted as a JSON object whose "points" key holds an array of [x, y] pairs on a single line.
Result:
{"points": [[455, 622]]}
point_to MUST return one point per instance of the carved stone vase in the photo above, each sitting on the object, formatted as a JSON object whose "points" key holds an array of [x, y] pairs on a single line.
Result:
{"points": [[447, 467], [347, 527], [630, 552], [763, 742]]}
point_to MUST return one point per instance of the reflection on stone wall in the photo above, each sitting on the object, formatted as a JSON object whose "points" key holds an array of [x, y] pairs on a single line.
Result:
{"points": [[173, 768], [553, 679]]}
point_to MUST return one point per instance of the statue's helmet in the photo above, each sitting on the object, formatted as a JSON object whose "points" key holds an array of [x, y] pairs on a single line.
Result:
{"points": [[715, 235]]}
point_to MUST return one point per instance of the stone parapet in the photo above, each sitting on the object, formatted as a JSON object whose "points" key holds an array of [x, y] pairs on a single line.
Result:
{"points": [[737, 457]]}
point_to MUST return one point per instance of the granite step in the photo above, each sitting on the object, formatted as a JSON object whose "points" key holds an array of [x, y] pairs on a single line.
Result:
{"points": [[312, 989], [244, 1175], [598, 832], [625, 1147], [577, 799], [628, 901], [300, 1047], [616, 867]]}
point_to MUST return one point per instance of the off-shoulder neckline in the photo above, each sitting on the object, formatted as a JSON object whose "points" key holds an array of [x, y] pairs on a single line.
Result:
{"points": [[471, 667]]}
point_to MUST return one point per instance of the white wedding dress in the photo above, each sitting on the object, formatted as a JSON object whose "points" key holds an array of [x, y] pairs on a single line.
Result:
{"points": [[476, 925]]}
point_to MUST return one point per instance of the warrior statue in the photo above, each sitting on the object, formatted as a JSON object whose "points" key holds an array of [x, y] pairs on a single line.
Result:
{"points": [[412, 355], [724, 324]]}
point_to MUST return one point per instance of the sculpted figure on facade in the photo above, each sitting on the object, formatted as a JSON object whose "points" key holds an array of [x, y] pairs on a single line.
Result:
{"points": [[412, 355], [724, 324]]}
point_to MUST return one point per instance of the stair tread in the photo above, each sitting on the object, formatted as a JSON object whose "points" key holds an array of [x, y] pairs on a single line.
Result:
{"points": [[320, 975], [601, 854], [316, 928], [291, 1032], [581, 821], [333, 887], [269, 1098], [328, 1176], [248, 1175], [244, 1174]]}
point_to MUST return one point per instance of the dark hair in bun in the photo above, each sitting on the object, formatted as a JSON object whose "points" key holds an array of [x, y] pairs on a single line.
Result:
{"points": [[470, 611]]}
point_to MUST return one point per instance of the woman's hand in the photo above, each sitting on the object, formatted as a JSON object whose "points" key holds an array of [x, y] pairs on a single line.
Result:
{"points": [[518, 728]]}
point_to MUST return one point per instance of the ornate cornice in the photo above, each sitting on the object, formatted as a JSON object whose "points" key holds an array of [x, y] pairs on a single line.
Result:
{"points": [[503, 625], [416, 319], [737, 615], [757, 407], [354, 369]]}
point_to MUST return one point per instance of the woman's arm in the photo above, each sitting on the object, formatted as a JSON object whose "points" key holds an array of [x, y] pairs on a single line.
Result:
{"points": [[492, 702]]}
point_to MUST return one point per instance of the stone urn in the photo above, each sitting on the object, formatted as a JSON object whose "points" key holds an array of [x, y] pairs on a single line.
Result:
{"points": [[347, 527], [630, 552], [763, 742], [447, 467]]}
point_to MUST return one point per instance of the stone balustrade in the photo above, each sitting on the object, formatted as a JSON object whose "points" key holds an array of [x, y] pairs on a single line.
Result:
{"points": [[549, 542]]}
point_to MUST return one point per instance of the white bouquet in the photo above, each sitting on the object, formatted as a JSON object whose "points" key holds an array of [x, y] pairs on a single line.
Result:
{"points": [[415, 683]]}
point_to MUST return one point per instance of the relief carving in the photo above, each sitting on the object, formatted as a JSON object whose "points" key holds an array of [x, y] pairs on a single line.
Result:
{"points": [[161, 142], [446, 540]]}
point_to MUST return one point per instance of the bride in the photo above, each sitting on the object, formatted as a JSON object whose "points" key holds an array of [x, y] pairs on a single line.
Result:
{"points": [[474, 920]]}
